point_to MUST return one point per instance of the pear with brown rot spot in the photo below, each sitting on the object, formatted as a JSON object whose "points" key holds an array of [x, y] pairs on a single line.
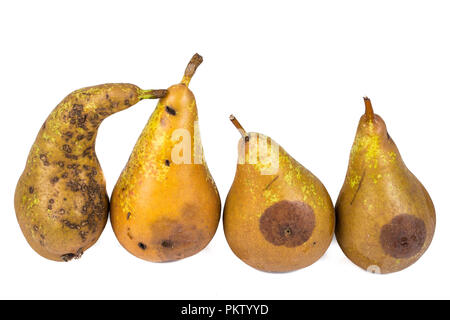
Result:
{"points": [[385, 217], [60, 200], [165, 205], [278, 216]]}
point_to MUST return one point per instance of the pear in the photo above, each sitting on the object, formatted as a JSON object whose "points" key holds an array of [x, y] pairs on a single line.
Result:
{"points": [[60, 200], [165, 205], [278, 216], [385, 217]]}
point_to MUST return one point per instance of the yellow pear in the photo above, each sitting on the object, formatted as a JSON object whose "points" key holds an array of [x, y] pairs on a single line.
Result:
{"points": [[165, 205], [278, 216], [61, 201], [385, 217]]}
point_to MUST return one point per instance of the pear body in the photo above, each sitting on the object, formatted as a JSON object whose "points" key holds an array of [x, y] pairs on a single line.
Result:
{"points": [[165, 205], [60, 200], [278, 216], [385, 217]]}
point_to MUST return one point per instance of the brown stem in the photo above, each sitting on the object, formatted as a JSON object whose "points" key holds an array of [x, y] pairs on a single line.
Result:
{"points": [[153, 94], [239, 127], [369, 109], [196, 60]]}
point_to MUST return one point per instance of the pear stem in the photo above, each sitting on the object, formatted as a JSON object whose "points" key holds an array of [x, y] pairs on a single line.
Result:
{"points": [[152, 94], [369, 109], [239, 127], [196, 60]]}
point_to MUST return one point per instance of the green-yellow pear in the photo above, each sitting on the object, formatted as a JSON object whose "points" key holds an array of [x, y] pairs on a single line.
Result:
{"points": [[385, 217], [165, 205], [61, 201]]}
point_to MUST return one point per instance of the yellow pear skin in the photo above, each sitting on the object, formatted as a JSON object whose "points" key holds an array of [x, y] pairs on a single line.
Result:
{"points": [[60, 200], [278, 216], [165, 205], [385, 217]]}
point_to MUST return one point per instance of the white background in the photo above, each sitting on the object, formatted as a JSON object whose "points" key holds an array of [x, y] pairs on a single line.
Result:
{"points": [[294, 70]]}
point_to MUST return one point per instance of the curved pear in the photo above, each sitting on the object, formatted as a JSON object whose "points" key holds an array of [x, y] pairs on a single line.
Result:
{"points": [[60, 200], [278, 216], [385, 217], [165, 205]]}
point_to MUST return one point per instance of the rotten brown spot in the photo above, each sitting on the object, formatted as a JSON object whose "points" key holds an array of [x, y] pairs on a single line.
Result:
{"points": [[76, 116], [167, 163], [175, 240], [69, 135], [404, 236], [87, 152], [170, 111], [69, 256], [44, 159], [54, 180], [90, 135], [71, 156], [142, 245], [83, 235], [128, 215], [73, 185], [167, 244], [30, 189], [67, 148], [287, 223], [71, 225], [60, 163]]}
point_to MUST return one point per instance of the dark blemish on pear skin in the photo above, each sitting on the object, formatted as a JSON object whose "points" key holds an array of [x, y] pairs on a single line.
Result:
{"points": [[167, 163], [67, 257], [359, 186], [167, 244], [44, 159], [66, 148], [142, 246], [30, 189], [128, 215], [170, 110], [270, 183], [174, 239], [403, 237], [287, 223], [54, 180]]}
